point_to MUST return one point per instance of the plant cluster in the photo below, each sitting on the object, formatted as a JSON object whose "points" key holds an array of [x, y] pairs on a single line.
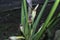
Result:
{"points": [[28, 25]]}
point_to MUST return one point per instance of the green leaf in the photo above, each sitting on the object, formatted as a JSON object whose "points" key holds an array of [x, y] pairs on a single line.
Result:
{"points": [[39, 17], [53, 20], [26, 17], [47, 20], [50, 24], [51, 12], [37, 32], [22, 19], [22, 15], [53, 24]]}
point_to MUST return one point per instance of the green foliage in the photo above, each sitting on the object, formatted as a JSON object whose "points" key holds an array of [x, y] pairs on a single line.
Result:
{"points": [[28, 29]]}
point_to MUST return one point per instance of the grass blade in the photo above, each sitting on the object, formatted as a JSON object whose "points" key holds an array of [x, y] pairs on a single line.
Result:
{"points": [[47, 20], [50, 24], [39, 16], [22, 15], [53, 20], [26, 17], [53, 24], [22, 25]]}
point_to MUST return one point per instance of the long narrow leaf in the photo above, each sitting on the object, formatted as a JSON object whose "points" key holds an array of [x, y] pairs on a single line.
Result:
{"points": [[22, 15], [22, 25], [26, 17], [37, 31], [55, 22], [47, 20], [50, 24], [39, 17]]}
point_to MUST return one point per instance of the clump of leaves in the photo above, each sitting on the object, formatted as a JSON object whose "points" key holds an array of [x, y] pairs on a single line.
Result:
{"points": [[28, 25]]}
